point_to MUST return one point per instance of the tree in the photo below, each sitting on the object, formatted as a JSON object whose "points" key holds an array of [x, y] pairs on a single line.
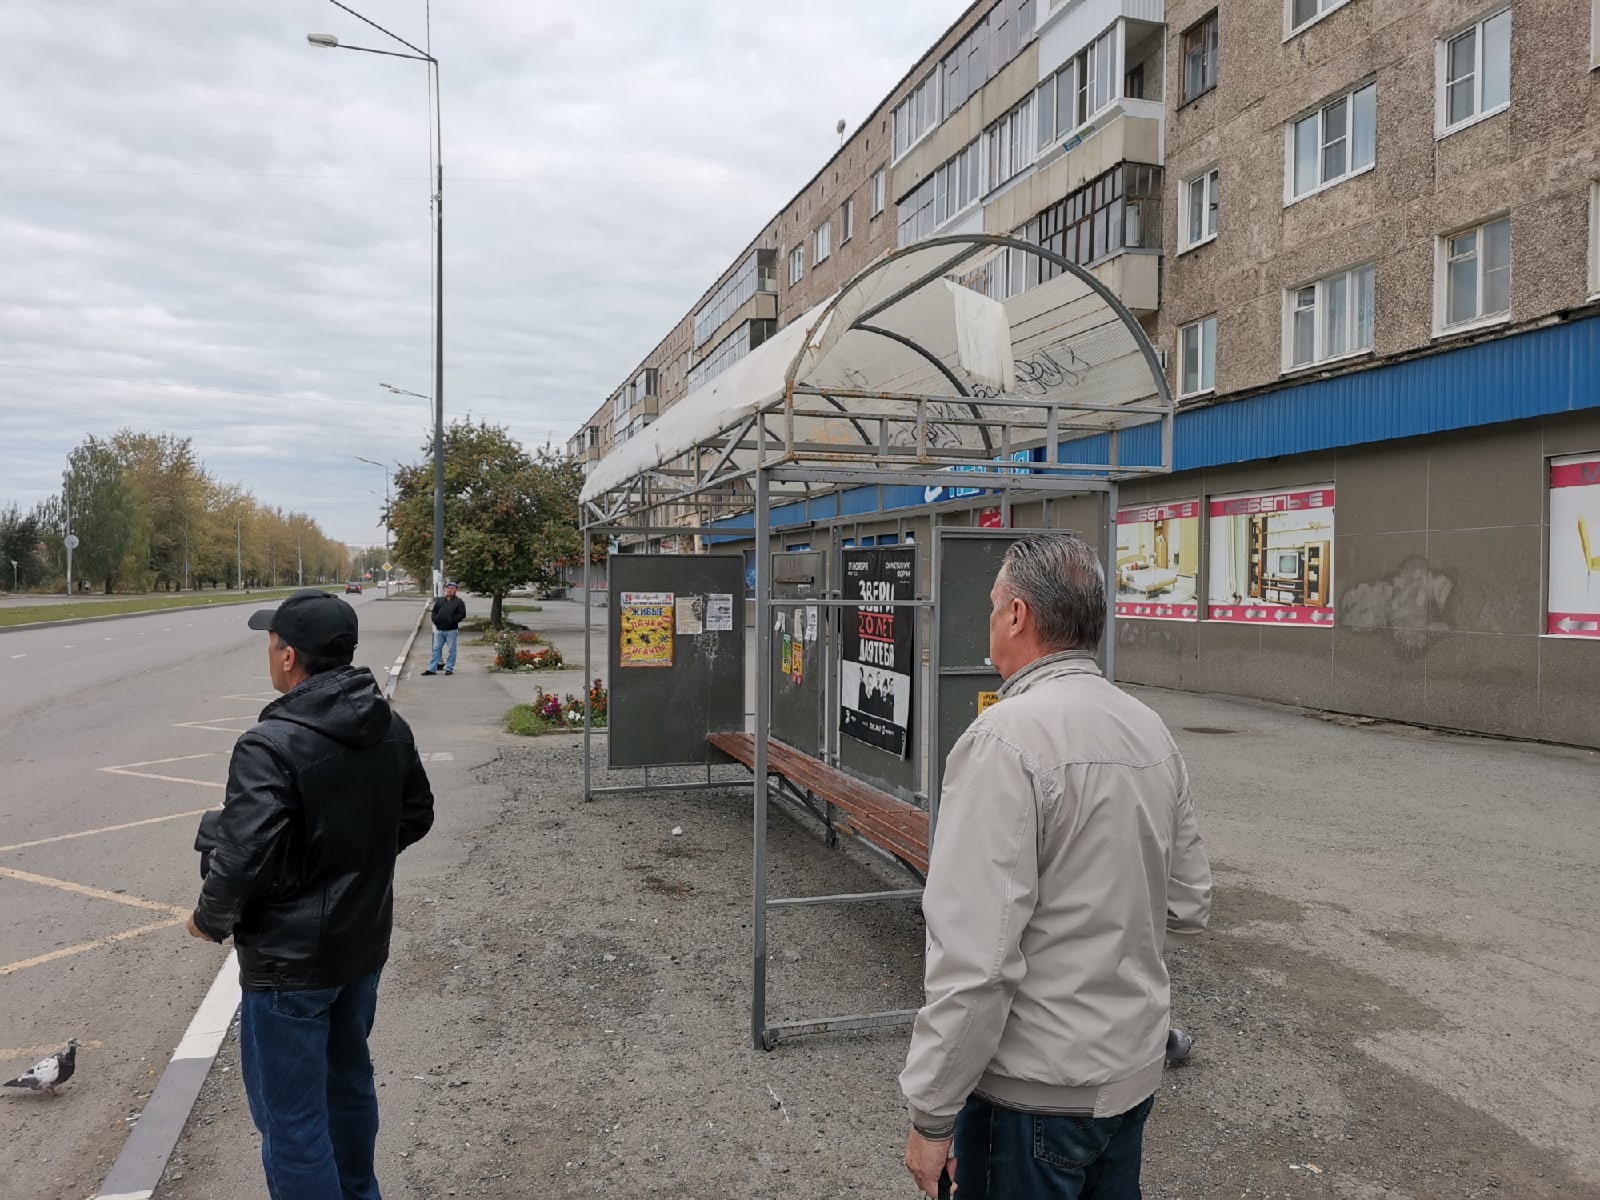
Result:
{"points": [[103, 512], [21, 539], [509, 516]]}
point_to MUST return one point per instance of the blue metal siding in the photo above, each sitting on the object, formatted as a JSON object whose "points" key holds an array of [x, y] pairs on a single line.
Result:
{"points": [[1533, 374]]}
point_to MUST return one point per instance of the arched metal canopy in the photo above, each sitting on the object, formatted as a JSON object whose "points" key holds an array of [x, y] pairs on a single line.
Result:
{"points": [[911, 369]]}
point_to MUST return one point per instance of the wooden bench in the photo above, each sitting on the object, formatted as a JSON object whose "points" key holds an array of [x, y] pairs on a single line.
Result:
{"points": [[889, 823]]}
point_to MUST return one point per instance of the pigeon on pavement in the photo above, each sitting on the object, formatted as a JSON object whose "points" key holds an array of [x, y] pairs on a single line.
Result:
{"points": [[50, 1073], [1179, 1044]]}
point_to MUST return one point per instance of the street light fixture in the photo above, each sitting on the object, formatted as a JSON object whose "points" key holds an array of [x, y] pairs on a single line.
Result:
{"points": [[329, 42], [388, 519]]}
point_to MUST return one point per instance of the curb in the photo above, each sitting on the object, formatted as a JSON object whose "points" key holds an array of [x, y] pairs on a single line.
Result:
{"points": [[400, 663], [138, 1168]]}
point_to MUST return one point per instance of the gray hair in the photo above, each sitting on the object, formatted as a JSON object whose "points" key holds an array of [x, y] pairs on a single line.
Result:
{"points": [[1060, 578]]}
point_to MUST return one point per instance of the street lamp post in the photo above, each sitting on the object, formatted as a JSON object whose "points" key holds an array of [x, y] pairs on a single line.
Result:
{"points": [[388, 520], [329, 41]]}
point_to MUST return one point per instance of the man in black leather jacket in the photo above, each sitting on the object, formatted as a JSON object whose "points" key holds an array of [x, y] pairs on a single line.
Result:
{"points": [[323, 794]]}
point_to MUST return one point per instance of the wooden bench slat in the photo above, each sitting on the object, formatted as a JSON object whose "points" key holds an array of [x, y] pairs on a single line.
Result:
{"points": [[884, 820]]}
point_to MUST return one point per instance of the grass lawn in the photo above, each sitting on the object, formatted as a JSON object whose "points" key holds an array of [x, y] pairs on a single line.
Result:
{"points": [[33, 614], [522, 608]]}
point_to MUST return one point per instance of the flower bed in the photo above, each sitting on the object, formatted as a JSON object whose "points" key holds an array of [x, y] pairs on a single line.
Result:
{"points": [[525, 652], [549, 713]]}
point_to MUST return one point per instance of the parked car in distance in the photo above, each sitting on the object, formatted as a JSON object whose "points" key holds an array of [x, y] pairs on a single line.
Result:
{"points": [[352, 586]]}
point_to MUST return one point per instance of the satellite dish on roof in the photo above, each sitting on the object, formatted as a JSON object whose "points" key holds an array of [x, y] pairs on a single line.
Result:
{"points": [[839, 129]]}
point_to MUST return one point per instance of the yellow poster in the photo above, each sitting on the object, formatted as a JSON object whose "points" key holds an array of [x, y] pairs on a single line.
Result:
{"points": [[987, 698], [646, 630]]}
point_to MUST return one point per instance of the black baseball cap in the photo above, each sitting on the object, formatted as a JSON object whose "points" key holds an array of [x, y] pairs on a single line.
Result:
{"points": [[313, 622]]}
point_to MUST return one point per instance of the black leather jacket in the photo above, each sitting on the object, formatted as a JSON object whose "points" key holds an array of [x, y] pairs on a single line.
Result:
{"points": [[449, 612], [323, 793]]}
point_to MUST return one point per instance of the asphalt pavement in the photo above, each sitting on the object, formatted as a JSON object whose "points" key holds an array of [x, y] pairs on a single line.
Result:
{"points": [[114, 737]]}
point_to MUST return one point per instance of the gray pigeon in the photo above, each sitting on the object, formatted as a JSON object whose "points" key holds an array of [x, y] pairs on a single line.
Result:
{"points": [[50, 1073]]}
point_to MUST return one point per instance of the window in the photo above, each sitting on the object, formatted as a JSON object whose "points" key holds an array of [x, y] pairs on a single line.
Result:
{"points": [[879, 189], [1333, 143], [1474, 275], [758, 273], [985, 50], [824, 242], [797, 265], [1303, 12], [745, 338], [1096, 76], [1474, 73], [1199, 199], [1197, 347], [1200, 58], [948, 192], [1011, 144], [847, 221], [1330, 318], [916, 114], [1594, 236]]}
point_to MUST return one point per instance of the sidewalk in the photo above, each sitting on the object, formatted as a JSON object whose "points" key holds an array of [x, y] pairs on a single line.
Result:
{"points": [[1397, 1001]]}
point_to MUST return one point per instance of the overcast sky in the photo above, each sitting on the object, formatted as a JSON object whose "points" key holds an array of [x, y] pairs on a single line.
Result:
{"points": [[210, 228]]}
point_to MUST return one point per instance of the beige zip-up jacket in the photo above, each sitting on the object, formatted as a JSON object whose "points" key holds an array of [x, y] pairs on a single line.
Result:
{"points": [[1066, 850]]}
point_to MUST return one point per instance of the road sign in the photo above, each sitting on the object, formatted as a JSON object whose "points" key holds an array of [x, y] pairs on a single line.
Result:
{"points": [[72, 542], [387, 568]]}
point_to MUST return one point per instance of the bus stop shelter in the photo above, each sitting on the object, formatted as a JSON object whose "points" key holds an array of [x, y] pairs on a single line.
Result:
{"points": [[977, 361]]}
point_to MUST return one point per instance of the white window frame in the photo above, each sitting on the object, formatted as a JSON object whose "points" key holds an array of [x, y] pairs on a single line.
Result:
{"points": [[1208, 56], [847, 220], [1319, 115], [1198, 328], [1320, 357], [934, 80], [1441, 281], [1326, 8], [822, 243], [1186, 212], [1594, 37], [797, 264], [880, 187], [1594, 235], [1441, 89]]}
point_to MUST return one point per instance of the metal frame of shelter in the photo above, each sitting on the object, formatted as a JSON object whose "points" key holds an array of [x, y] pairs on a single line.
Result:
{"points": [[910, 373]]}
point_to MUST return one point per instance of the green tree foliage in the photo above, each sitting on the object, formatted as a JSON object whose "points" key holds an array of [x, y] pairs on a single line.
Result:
{"points": [[149, 517], [511, 517], [103, 512], [22, 543]]}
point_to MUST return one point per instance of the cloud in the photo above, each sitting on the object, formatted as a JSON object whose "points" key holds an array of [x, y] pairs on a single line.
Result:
{"points": [[199, 204]]}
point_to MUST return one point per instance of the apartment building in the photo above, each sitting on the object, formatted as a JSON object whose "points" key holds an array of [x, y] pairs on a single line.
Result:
{"points": [[1364, 236]]}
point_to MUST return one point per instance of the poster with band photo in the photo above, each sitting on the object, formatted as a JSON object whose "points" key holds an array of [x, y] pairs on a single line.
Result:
{"points": [[1271, 558], [878, 647], [1158, 561], [1574, 608]]}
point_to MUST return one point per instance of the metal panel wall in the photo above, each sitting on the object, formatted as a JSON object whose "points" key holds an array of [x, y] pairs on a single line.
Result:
{"points": [[660, 715], [797, 707]]}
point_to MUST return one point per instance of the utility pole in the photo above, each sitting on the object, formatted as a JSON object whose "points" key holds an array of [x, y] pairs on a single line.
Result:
{"points": [[239, 530], [69, 539], [299, 563]]}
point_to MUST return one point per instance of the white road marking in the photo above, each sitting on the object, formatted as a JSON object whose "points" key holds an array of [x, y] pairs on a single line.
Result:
{"points": [[126, 769], [71, 647], [94, 893], [108, 639], [67, 837], [98, 943], [19, 656], [438, 756]]}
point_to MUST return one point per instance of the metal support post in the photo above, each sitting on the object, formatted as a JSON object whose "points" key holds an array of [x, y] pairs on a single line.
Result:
{"points": [[758, 992], [588, 664], [1111, 583]]}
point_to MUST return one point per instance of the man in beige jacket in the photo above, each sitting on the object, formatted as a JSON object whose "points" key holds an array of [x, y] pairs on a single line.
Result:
{"points": [[1066, 851]]}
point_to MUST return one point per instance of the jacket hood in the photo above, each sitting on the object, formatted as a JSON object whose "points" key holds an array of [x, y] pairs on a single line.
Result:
{"points": [[343, 704]]}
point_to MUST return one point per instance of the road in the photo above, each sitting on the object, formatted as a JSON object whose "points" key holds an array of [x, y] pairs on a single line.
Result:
{"points": [[114, 737]]}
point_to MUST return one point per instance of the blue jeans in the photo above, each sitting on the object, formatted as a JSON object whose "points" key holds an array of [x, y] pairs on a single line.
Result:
{"points": [[1004, 1154], [441, 639], [308, 1078]]}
